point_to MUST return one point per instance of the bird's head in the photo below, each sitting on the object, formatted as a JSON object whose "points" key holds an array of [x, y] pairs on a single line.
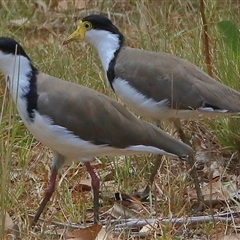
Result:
{"points": [[95, 28], [11, 53]]}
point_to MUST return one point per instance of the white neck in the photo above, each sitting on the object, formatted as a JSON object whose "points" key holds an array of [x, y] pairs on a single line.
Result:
{"points": [[106, 44], [16, 70]]}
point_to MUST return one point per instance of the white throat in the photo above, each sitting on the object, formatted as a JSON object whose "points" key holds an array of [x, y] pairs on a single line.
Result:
{"points": [[16, 70], [106, 44]]}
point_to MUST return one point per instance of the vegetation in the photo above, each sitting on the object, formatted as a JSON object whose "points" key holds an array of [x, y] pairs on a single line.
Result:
{"points": [[173, 26]]}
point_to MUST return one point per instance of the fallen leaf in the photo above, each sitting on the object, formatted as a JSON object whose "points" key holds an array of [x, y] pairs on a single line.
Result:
{"points": [[149, 228], [218, 190], [11, 229], [103, 235], [88, 233], [8, 221], [84, 185], [118, 210], [227, 237]]}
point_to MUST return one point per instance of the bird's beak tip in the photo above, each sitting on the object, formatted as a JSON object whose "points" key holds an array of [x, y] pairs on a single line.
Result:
{"points": [[72, 37], [67, 41]]}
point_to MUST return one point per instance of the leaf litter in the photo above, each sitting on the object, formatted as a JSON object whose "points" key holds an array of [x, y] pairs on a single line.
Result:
{"points": [[218, 183]]}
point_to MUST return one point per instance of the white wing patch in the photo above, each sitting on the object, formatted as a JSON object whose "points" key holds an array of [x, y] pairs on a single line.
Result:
{"points": [[161, 110], [136, 100], [208, 109]]}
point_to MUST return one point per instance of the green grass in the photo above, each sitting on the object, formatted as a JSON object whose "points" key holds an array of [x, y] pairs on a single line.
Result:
{"points": [[169, 25]]}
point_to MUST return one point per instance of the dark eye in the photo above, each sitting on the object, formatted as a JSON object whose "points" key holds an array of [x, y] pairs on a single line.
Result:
{"points": [[88, 25]]}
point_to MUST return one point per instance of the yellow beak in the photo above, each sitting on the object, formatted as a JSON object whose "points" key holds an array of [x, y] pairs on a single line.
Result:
{"points": [[80, 32]]}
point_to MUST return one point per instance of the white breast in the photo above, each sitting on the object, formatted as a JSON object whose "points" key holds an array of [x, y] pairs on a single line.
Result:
{"points": [[137, 101]]}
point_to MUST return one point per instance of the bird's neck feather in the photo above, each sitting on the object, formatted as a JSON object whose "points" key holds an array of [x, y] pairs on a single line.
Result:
{"points": [[106, 44], [21, 79], [17, 71]]}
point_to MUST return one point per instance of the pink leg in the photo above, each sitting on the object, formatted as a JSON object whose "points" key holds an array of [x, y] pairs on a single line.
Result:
{"points": [[48, 193], [95, 186]]}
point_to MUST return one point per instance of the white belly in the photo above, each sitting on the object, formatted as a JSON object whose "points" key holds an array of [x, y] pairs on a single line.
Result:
{"points": [[62, 141]]}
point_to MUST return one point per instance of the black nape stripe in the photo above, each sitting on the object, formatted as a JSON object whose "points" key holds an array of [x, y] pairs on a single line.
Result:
{"points": [[110, 72], [32, 95]]}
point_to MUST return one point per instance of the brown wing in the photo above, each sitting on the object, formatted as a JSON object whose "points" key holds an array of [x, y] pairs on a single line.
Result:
{"points": [[96, 118], [164, 76]]}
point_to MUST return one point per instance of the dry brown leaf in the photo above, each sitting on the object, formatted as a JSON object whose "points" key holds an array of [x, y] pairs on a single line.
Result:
{"points": [[11, 229], [103, 235], [149, 228], [118, 210], [218, 190], [88, 233], [8, 221], [228, 237], [86, 182], [14, 233], [84, 185], [128, 207]]}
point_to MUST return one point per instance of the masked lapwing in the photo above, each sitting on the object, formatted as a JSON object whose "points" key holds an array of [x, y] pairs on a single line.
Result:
{"points": [[155, 84], [75, 122], [158, 85]]}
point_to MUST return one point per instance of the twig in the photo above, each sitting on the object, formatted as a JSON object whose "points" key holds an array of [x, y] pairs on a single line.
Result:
{"points": [[206, 39], [137, 223], [178, 221]]}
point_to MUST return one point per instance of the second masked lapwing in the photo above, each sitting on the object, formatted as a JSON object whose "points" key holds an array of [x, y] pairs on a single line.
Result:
{"points": [[155, 84], [158, 85], [76, 122]]}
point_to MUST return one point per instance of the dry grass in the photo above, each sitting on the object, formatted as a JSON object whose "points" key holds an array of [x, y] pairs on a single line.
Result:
{"points": [[162, 25]]}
